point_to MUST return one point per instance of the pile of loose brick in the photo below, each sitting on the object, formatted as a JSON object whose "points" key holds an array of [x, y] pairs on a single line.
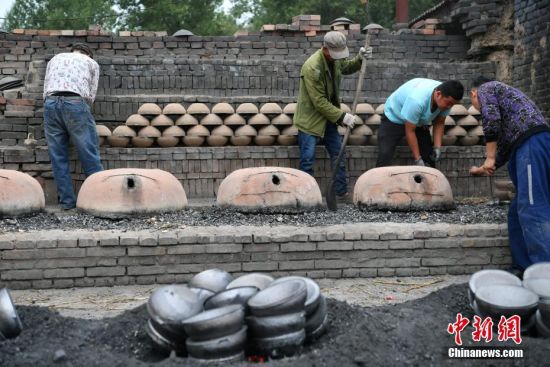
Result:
{"points": [[430, 26], [93, 31], [310, 25]]}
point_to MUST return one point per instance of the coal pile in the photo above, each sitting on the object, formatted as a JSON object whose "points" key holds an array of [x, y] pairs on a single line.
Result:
{"points": [[486, 212], [412, 333]]}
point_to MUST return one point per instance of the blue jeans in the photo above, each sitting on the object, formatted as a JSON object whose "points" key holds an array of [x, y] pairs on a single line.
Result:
{"points": [[529, 213], [70, 118], [332, 142]]}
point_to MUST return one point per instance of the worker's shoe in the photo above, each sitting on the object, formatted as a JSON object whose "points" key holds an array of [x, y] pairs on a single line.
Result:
{"points": [[344, 198]]}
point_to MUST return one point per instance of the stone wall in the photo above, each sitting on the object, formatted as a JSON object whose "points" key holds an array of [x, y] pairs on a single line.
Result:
{"points": [[532, 51], [202, 169], [61, 259], [511, 33], [148, 67]]}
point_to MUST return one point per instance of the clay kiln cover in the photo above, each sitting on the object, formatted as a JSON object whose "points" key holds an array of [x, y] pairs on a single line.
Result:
{"points": [[127, 191], [269, 189], [403, 188], [20, 194]]}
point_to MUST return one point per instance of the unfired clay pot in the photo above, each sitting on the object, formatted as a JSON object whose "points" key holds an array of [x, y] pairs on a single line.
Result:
{"points": [[126, 192], [269, 189], [403, 188]]}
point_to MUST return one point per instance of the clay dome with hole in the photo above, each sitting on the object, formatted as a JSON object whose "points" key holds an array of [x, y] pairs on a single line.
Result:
{"points": [[269, 189]]}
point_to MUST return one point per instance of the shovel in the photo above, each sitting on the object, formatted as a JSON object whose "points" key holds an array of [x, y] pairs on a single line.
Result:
{"points": [[330, 192]]}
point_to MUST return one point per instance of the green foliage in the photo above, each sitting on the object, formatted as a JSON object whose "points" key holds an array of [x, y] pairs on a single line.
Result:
{"points": [[259, 12], [201, 18], [60, 14]]}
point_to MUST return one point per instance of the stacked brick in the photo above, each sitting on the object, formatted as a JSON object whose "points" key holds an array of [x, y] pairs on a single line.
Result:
{"points": [[141, 67], [309, 26], [430, 26], [477, 16], [18, 118], [532, 51], [93, 31], [202, 169], [62, 259]]}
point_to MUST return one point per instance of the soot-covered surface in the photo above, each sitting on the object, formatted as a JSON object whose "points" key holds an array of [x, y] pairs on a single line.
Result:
{"points": [[412, 333], [486, 212]]}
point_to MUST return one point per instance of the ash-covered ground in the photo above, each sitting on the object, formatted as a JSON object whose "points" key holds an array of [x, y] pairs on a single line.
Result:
{"points": [[413, 333], [484, 212]]}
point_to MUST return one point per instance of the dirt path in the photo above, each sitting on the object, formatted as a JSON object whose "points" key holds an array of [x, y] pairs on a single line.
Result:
{"points": [[101, 302]]}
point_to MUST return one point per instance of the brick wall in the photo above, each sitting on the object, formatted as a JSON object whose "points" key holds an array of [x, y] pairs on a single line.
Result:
{"points": [[201, 170], [532, 51], [264, 67], [61, 259]]}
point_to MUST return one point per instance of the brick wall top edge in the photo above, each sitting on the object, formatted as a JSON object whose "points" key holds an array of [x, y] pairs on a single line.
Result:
{"points": [[198, 38], [267, 230]]}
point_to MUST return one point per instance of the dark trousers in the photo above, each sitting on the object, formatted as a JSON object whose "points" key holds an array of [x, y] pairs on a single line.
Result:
{"points": [[529, 213], [389, 135]]}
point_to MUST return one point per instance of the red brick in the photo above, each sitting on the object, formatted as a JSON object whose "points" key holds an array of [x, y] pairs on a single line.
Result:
{"points": [[20, 102]]}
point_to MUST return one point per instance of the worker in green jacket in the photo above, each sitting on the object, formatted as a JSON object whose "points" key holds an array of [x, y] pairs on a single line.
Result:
{"points": [[318, 109]]}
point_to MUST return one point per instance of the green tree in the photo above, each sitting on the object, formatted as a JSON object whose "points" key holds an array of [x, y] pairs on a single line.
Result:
{"points": [[60, 14], [204, 18], [259, 12]]}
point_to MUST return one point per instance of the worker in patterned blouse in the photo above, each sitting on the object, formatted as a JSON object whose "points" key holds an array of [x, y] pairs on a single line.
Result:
{"points": [[70, 88], [409, 112], [516, 132]]}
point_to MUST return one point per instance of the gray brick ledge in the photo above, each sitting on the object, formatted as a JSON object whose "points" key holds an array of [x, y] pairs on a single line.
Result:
{"points": [[419, 229]]}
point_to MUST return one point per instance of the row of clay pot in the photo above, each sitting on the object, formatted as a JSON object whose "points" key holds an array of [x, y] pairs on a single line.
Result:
{"points": [[124, 136], [369, 117], [151, 110], [174, 109], [504, 190]]}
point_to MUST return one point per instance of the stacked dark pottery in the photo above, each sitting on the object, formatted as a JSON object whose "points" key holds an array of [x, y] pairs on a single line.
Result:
{"points": [[277, 321], [496, 293], [168, 307], [215, 318], [537, 278], [315, 308], [10, 324], [217, 335]]}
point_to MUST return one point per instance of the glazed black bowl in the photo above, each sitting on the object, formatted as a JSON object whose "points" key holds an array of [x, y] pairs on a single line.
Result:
{"points": [[238, 296], [506, 300], [214, 280], [488, 277], [313, 292], [170, 305], [258, 280], [282, 298], [226, 346], [10, 324], [214, 323], [269, 326]]}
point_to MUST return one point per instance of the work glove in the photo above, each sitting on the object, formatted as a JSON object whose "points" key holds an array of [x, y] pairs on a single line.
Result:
{"points": [[366, 53], [419, 162], [436, 154], [349, 120]]}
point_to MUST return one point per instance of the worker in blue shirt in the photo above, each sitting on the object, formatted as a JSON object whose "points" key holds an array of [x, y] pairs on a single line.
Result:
{"points": [[409, 112]]}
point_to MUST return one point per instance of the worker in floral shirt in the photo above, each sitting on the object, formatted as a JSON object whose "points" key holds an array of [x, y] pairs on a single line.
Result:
{"points": [[516, 132], [70, 88]]}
